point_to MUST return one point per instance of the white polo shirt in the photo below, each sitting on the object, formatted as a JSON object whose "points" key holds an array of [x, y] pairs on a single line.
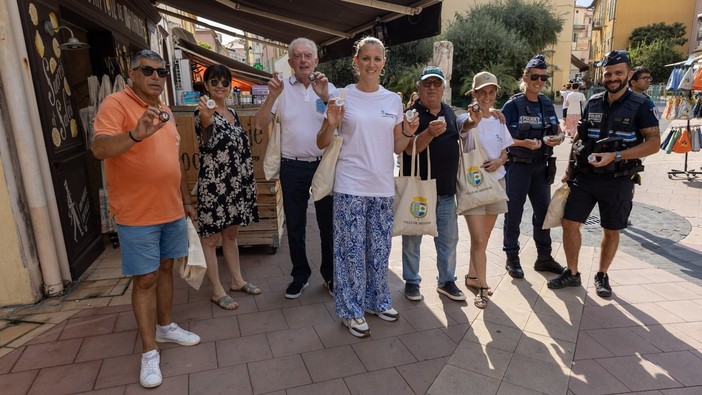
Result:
{"points": [[301, 118]]}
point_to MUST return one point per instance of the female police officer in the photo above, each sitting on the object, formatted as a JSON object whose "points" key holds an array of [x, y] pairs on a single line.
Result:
{"points": [[533, 124]]}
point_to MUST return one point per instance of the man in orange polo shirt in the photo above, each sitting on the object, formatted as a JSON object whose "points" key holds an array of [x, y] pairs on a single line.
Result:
{"points": [[137, 137]]}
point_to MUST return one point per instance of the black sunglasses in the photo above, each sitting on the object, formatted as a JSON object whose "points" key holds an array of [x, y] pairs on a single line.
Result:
{"points": [[535, 77], [215, 82], [148, 71]]}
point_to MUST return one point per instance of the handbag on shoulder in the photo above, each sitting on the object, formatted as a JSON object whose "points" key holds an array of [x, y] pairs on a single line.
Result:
{"points": [[323, 180]]}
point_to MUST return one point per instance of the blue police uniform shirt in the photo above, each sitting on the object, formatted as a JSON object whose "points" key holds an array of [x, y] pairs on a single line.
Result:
{"points": [[645, 117], [443, 148], [532, 115]]}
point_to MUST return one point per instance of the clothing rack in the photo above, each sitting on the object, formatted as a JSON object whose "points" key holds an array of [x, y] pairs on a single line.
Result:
{"points": [[690, 175], [685, 173]]}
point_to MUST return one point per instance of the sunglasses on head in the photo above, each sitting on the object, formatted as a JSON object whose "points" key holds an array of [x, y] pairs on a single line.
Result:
{"points": [[148, 71], [434, 83], [535, 77], [215, 82]]}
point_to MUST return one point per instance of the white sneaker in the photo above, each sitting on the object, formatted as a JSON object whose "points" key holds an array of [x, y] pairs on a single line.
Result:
{"points": [[176, 334], [357, 326], [150, 375], [387, 315]]}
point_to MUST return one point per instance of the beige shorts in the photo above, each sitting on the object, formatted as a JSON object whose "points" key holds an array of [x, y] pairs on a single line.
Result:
{"points": [[490, 209]]}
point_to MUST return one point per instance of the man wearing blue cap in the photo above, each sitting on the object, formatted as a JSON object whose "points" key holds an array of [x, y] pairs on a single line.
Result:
{"points": [[618, 128], [533, 124]]}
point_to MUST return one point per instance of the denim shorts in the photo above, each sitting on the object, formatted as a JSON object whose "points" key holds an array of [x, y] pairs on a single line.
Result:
{"points": [[143, 247]]}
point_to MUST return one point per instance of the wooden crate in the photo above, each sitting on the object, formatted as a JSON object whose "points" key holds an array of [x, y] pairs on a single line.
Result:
{"points": [[269, 229], [268, 193]]}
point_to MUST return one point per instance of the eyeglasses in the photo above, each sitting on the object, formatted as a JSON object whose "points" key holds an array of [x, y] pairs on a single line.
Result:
{"points": [[215, 82], [435, 83], [649, 78], [148, 71], [535, 77]]}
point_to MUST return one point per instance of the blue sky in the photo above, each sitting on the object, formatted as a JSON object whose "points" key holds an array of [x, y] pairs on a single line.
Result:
{"points": [[583, 2]]}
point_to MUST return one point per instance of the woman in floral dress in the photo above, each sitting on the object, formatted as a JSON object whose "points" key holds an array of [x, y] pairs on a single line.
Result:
{"points": [[226, 186]]}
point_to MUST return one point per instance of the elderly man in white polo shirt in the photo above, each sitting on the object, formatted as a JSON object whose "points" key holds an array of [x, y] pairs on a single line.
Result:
{"points": [[301, 99]]}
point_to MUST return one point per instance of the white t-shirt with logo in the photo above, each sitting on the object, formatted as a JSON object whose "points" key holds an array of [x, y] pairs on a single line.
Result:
{"points": [[494, 137], [365, 166]]}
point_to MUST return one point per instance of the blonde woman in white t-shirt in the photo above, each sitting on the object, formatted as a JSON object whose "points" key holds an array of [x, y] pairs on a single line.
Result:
{"points": [[373, 126], [575, 101], [494, 139]]}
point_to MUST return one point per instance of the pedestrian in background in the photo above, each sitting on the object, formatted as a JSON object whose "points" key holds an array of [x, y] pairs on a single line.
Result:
{"points": [[575, 103]]}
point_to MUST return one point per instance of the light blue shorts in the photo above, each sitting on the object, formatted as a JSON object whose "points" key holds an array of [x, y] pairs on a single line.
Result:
{"points": [[144, 246]]}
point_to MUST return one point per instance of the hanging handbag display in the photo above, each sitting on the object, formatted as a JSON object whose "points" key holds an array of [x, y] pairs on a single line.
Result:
{"points": [[414, 210], [475, 186], [682, 144], [271, 160]]}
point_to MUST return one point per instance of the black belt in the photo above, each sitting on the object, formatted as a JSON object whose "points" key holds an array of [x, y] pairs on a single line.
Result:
{"points": [[514, 159]]}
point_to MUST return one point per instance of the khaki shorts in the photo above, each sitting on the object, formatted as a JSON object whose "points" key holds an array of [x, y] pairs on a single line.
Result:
{"points": [[490, 209]]}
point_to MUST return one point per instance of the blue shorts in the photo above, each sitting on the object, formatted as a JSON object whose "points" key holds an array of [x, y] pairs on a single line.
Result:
{"points": [[143, 247]]}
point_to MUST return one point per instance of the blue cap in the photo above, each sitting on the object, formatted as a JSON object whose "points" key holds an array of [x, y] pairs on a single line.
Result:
{"points": [[615, 57], [537, 62]]}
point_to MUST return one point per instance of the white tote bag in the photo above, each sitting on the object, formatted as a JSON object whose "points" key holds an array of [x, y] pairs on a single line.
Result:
{"points": [[323, 180], [192, 268], [415, 201], [554, 214], [271, 160], [475, 186]]}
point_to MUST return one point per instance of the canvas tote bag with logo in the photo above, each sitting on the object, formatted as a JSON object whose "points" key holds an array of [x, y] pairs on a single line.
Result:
{"points": [[475, 186], [415, 201]]}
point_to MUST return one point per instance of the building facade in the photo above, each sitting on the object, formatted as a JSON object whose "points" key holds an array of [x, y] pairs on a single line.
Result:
{"points": [[613, 21]]}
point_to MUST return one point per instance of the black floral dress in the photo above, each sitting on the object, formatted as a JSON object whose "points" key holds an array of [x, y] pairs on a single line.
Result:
{"points": [[226, 185]]}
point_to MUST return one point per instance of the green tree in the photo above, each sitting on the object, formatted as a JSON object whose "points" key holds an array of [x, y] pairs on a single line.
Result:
{"points": [[204, 45], [655, 56], [645, 35], [535, 22]]}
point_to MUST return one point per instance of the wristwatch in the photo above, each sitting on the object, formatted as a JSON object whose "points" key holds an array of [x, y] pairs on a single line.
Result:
{"points": [[617, 156]]}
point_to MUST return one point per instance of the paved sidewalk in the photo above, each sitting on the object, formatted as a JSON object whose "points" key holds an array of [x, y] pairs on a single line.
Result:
{"points": [[529, 340]]}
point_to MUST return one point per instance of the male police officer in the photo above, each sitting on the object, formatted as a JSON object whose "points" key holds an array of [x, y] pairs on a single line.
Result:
{"points": [[533, 124], [618, 128]]}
